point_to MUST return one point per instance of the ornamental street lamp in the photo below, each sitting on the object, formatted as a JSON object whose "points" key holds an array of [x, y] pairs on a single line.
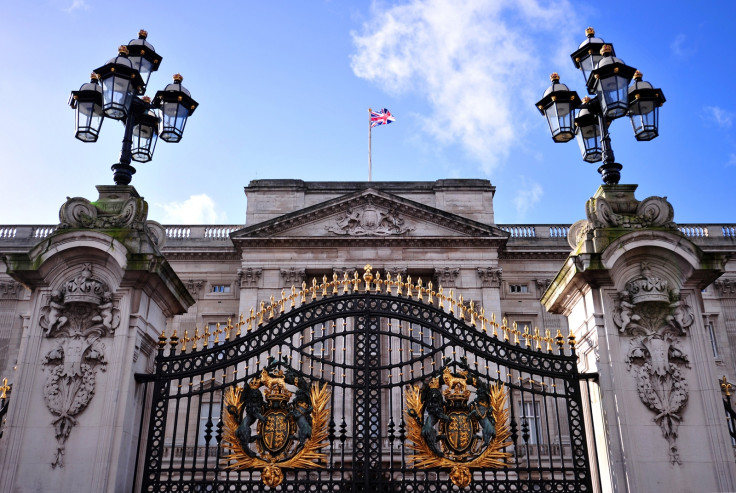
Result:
{"points": [[607, 79], [116, 92]]}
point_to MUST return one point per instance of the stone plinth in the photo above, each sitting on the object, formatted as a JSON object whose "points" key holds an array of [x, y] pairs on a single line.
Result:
{"points": [[101, 292], [631, 290]]}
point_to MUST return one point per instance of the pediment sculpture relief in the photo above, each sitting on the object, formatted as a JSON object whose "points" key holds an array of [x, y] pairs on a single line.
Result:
{"points": [[657, 319], [369, 220], [77, 317]]}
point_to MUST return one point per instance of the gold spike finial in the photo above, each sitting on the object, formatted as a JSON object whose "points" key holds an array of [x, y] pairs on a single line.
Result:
{"points": [[725, 387], [5, 387]]}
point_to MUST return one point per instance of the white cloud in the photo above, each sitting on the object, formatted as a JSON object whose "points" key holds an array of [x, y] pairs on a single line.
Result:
{"points": [[681, 47], [526, 196], [473, 61], [723, 118], [77, 5], [197, 209]]}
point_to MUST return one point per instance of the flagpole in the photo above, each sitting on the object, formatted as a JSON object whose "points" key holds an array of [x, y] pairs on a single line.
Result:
{"points": [[370, 163]]}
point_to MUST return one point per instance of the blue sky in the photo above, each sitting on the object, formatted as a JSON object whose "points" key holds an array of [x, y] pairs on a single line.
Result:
{"points": [[284, 88]]}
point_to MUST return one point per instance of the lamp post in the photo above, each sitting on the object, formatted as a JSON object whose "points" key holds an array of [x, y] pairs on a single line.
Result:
{"points": [[607, 79], [116, 91]]}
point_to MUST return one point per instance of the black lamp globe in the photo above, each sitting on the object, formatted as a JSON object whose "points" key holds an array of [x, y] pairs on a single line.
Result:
{"points": [[644, 103], [558, 105], [588, 54], [120, 81], [145, 135], [610, 81], [588, 131], [87, 103], [175, 106], [143, 57]]}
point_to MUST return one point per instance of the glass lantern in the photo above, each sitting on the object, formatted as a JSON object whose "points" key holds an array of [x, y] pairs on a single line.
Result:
{"points": [[175, 106], [558, 105], [87, 102]]}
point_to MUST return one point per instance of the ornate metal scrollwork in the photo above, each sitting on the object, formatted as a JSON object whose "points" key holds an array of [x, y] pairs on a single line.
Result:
{"points": [[444, 427], [291, 427]]}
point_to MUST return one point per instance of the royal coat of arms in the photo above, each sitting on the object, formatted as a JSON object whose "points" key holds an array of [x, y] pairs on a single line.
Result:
{"points": [[290, 426], [448, 430]]}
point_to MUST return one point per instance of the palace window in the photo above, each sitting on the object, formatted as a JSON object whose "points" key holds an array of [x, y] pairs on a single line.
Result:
{"points": [[519, 288], [220, 288], [531, 415], [713, 342], [204, 417]]}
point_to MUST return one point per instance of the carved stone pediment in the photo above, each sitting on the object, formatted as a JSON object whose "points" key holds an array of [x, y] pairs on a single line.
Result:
{"points": [[369, 214]]}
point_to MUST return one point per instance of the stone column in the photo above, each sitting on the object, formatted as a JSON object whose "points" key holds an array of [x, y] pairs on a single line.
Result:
{"points": [[101, 293], [631, 290]]}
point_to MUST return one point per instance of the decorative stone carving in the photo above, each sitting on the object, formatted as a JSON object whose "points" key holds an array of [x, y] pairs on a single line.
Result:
{"points": [[10, 290], [394, 271], [118, 207], [293, 276], [369, 221], [726, 286], [194, 287], [341, 271], [543, 284], [490, 277], [656, 318], [76, 317], [79, 212], [248, 278], [614, 206], [446, 277]]}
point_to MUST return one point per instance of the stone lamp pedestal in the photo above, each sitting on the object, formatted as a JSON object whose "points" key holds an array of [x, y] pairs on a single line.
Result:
{"points": [[631, 290], [101, 295]]}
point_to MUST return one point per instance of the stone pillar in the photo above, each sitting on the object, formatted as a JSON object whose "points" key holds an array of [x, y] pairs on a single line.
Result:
{"points": [[631, 290], [101, 293]]}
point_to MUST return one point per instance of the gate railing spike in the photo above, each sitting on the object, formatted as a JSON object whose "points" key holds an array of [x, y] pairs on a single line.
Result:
{"points": [[356, 282], [451, 301], [409, 287], [505, 330], [461, 308], [399, 285], [430, 293], [440, 298]]}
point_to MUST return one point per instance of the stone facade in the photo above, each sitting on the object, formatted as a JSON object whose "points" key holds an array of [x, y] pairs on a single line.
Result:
{"points": [[443, 232]]}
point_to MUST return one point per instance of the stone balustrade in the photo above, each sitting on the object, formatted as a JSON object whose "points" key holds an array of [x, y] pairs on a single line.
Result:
{"points": [[29, 234]]}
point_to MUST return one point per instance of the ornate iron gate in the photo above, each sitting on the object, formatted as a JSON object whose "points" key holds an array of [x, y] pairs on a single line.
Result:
{"points": [[363, 385]]}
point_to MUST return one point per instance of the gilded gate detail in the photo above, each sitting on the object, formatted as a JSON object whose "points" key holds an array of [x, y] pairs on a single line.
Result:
{"points": [[365, 384]]}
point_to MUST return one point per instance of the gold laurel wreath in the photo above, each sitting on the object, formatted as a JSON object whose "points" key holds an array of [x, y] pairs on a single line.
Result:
{"points": [[491, 457], [308, 457]]}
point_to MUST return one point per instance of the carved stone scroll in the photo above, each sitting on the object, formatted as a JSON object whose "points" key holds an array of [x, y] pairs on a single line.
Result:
{"points": [[77, 317], [657, 319]]}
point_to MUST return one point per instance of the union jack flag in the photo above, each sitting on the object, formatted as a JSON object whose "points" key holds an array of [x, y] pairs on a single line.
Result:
{"points": [[381, 117]]}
